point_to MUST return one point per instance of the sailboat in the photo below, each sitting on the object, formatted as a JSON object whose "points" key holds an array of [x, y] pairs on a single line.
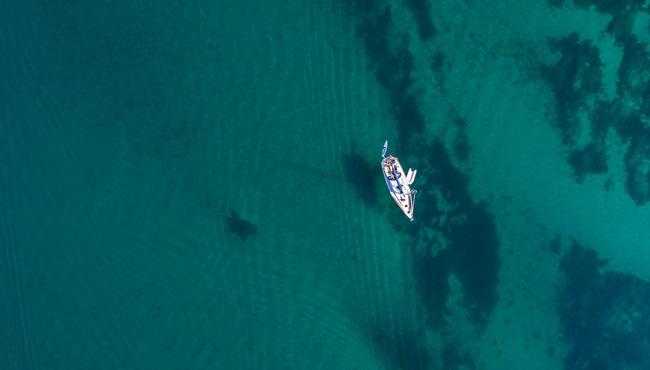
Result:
{"points": [[399, 183]]}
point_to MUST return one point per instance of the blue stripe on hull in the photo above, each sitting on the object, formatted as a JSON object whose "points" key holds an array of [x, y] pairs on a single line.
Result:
{"points": [[399, 186]]}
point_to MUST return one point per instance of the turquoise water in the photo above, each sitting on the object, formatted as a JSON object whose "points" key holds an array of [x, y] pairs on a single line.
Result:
{"points": [[197, 186]]}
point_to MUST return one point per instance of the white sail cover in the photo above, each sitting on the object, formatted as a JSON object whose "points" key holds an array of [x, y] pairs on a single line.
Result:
{"points": [[410, 176]]}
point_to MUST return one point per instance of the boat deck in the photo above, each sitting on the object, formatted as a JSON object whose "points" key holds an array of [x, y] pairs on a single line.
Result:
{"points": [[397, 185]]}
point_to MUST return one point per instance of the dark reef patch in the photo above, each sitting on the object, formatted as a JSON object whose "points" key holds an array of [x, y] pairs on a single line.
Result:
{"points": [[592, 159], [461, 147], [577, 82], [622, 12], [461, 144], [239, 226], [621, 25], [361, 174], [392, 62], [421, 10], [455, 359], [629, 114], [472, 252], [437, 67], [450, 180], [401, 349], [561, 78], [474, 259], [628, 126], [602, 116], [437, 62], [431, 274], [633, 74], [610, 6], [637, 166], [606, 316], [580, 267], [555, 245], [574, 78]]}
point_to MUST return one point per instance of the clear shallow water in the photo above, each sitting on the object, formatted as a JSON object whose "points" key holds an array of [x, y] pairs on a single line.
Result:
{"points": [[197, 186]]}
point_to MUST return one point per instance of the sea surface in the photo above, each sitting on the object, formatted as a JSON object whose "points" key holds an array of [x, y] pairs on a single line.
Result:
{"points": [[196, 185]]}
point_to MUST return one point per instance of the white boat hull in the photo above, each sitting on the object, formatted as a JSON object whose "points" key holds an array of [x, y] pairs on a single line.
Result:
{"points": [[399, 184]]}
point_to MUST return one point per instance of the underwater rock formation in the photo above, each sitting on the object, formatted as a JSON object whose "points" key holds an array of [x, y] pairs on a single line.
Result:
{"points": [[421, 10], [471, 253], [621, 11], [404, 349], [605, 315], [391, 59], [240, 227], [637, 166], [576, 80], [590, 159], [453, 358]]}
